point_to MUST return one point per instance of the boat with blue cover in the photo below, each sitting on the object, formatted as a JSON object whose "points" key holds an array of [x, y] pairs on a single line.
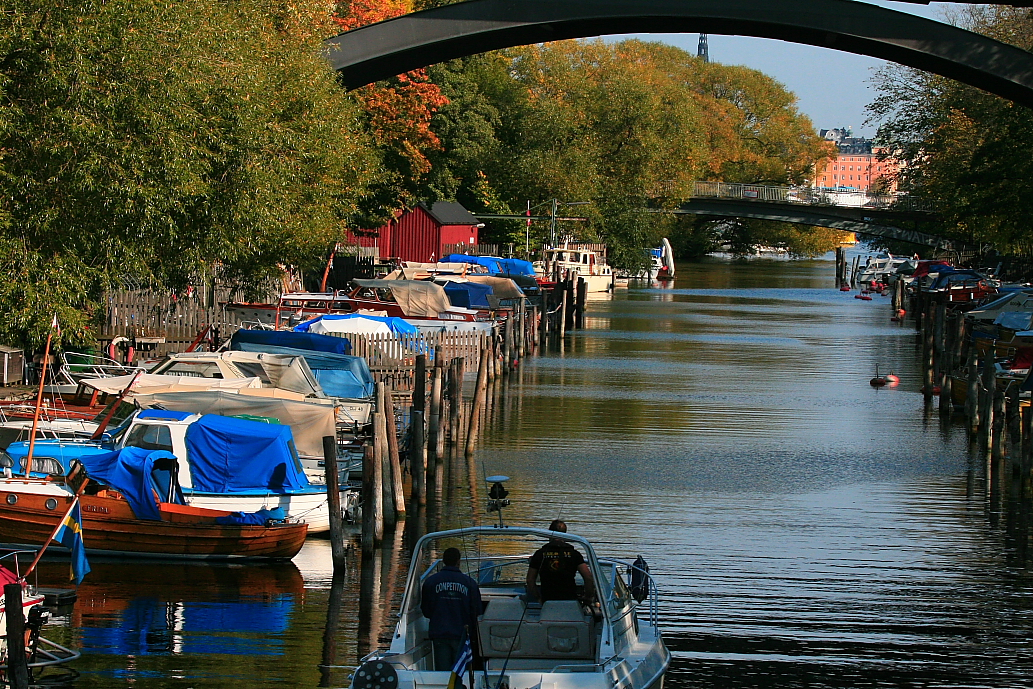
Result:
{"points": [[229, 464]]}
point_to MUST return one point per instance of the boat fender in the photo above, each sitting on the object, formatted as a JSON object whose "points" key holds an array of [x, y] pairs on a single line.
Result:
{"points": [[375, 674], [639, 579]]}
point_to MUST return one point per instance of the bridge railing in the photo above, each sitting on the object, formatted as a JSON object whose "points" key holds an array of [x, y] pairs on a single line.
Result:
{"points": [[812, 196]]}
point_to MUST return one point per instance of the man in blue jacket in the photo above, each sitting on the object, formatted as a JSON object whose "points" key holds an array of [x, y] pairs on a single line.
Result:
{"points": [[451, 601]]}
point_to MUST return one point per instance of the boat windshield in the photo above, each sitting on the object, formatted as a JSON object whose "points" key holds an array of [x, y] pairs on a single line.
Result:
{"points": [[495, 558]]}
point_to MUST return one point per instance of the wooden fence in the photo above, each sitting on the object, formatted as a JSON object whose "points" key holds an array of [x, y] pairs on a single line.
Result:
{"points": [[393, 350], [160, 322]]}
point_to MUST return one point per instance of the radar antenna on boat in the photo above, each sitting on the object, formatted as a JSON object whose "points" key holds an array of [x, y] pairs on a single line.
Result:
{"points": [[497, 495]]}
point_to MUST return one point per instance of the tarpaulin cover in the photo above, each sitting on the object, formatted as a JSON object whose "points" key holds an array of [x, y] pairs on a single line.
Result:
{"points": [[147, 383], [468, 294], [286, 338], [416, 298], [340, 375], [309, 420], [236, 455], [258, 518], [948, 277], [1015, 320], [131, 472], [496, 265], [926, 267], [358, 324], [503, 288]]}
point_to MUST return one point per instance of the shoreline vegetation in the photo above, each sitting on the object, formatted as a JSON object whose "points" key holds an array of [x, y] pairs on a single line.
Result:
{"points": [[147, 144]]}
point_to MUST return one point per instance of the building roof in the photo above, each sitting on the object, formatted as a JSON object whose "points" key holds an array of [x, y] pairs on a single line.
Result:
{"points": [[450, 213]]}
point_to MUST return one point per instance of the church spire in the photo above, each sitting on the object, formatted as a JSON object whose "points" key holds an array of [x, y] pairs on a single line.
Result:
{"points": [[702, 51]]}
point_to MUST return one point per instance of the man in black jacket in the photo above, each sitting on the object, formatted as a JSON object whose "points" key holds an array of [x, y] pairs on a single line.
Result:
{"points": [[556, 563], [451, 601]]}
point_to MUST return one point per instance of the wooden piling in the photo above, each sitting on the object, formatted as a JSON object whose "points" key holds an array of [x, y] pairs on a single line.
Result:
{"points": [[390, 510], [17, 664], [579, 302], [372, 501], [1027, 448], [418, 456], [972, 408], [563, 314], [479, 393], [927, 357], [434, 421], [989, 388], [571, 303], [947, 366], [507, 345], [997, 427], [338, 550], [442, 419], [419, 389], [394, 460], [1014, 433]]}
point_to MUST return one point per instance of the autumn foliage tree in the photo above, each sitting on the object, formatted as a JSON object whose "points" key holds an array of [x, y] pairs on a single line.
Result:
{"points": [[398, 113]]}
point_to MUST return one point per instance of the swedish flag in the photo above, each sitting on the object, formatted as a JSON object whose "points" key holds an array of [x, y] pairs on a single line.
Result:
{"points": [[69, 534]]}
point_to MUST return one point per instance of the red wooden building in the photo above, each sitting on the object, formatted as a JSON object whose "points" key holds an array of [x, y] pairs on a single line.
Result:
{"points": [[422, 233]]}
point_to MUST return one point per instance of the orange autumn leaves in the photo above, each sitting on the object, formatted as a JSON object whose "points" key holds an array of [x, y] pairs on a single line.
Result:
{"points": [[399, 111]]}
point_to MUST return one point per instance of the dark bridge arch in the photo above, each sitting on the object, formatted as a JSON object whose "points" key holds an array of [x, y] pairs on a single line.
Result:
{"points": [[392, 47], [864, 221]]}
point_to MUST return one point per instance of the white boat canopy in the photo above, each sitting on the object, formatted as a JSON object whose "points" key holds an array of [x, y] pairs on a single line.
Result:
{"points": [[309, 420], [417, 298], [150, 383]]}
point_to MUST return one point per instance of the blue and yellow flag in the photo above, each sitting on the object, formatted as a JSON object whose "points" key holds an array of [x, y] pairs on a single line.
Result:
{"points": [[70, 536]]}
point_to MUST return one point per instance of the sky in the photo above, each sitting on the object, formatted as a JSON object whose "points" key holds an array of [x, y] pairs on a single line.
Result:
{"points": [[833, 87]]}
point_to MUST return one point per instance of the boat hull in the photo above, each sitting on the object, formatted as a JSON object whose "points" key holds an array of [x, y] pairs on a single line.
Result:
{"points": [[110, 528]]}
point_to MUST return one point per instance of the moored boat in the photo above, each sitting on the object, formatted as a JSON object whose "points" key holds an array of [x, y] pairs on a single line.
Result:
{"points": [[562, 644], [136, 509]]}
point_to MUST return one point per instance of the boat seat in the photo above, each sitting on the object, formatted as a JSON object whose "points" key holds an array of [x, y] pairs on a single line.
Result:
{"points": [[500, 628], [559, 629], [567, 629]]}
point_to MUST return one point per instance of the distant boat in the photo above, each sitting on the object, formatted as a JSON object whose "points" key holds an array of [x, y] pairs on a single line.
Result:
{"points": [[665, 270], [580, 262]]}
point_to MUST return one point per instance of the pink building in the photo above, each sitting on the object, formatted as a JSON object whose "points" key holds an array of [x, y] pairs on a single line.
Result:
{"points": [[857, 165], [422, 233]]}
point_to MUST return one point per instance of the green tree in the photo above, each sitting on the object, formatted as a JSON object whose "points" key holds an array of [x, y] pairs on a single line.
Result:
{"points": [[964, 148], [148, 141]]}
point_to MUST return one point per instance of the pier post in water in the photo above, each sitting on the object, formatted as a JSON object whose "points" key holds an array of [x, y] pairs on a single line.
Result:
{"points": [[394, 461], [579, 303], [381, 455], [947, 366], [563, 313], [986, 398], [333, 499], [479, 393], [419, 388], [434, 422], [17, 664], [372, 501], [418, 457], [972, 391]]}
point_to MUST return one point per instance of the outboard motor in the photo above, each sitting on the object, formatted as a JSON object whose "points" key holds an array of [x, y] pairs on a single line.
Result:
{"points": [[640, 579]]}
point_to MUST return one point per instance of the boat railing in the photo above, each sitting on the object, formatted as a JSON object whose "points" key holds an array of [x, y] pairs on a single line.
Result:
{"points": [[652, 598]]}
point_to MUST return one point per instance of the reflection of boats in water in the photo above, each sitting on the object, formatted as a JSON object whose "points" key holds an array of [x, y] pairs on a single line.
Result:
{"points": [[184, 608], [562, 644]]}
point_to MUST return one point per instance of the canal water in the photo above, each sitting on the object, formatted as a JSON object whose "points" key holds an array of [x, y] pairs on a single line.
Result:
{"points": [[806, 529]]}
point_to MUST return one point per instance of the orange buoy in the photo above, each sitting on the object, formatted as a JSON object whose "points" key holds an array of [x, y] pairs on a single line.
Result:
{"points": [[891, 378], [864, 296]]}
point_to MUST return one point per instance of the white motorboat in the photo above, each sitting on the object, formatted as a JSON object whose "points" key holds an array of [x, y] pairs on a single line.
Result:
{"points": [[561, 644], [580, 262], [879, 269]]}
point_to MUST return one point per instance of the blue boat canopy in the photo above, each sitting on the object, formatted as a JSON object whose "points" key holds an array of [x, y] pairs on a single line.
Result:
{"points": [[229, 455], [286, 338], [470, 295], [505, 267], [340, 375], [139, 475]]}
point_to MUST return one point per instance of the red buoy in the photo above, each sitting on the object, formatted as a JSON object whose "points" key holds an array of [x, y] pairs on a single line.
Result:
{"points": [[877, 382]]}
